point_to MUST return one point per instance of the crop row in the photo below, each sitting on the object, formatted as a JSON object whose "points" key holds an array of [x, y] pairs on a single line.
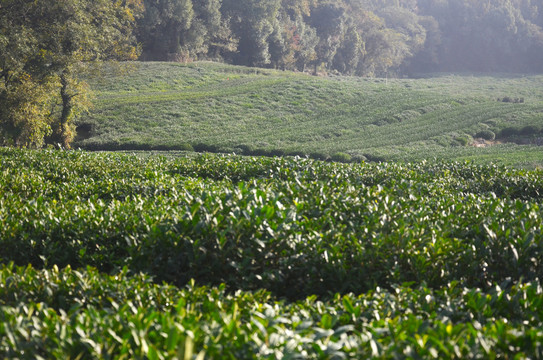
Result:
{"points": [[85, 314], [203, 108], [295, 227], [427, 260]]}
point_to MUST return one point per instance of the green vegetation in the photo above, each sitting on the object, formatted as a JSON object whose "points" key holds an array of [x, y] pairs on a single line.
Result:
{"points": [[215, 107], [355, 260], [355, 37], [193, 256], [45, 45], [71, 313]]}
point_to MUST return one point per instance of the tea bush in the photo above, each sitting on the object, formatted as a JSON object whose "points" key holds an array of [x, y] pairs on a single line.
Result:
{"points": [[509, 131], [218, 109], [486, 134], [529, 130], [356, 260], [341, 157], [85, 314]]}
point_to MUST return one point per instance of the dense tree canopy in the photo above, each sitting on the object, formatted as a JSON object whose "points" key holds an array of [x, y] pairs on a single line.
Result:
{"points": [[44, 45], [359, 37]]}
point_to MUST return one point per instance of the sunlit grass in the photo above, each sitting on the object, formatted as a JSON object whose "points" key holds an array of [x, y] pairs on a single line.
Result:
{"points": [[225, 108]]}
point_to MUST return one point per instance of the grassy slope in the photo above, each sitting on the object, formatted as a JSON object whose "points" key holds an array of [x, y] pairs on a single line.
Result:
{"points": [[226, 108]]}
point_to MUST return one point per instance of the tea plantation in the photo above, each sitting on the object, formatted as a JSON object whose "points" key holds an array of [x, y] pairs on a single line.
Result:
{"points": [[122, 256], [214, 107]]}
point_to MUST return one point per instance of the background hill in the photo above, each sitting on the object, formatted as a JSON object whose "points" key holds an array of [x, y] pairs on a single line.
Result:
{"points": [[221, 108]]}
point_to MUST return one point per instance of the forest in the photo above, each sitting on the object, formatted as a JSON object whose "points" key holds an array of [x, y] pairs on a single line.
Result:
{"points": [[353, 37]]}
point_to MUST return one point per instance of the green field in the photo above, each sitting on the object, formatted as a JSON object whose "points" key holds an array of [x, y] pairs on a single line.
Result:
{"points": [[118, 256], [221, 108]]}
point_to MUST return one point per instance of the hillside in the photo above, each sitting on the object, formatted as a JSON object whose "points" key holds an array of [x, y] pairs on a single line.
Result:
{"points": [[215, 107]]}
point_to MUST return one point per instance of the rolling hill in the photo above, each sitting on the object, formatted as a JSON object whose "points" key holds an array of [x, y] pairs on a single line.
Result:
{"points": [[206, 106]]}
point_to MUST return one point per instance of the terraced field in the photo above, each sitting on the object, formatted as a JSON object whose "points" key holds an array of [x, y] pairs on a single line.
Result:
{"points": [[214, 107]]}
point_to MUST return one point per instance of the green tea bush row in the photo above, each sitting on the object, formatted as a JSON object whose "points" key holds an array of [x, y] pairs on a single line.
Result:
{"points": [[293, 226], [85, 314]]}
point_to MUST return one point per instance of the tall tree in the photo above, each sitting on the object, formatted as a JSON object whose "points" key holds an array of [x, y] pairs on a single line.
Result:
{"points": [[217, 39], [410, 35], [44, 44], [498, 35], [252, 23], [349, 53], [282, 43], [296, 8], [162, 28], [329, 19], [427, 58]]}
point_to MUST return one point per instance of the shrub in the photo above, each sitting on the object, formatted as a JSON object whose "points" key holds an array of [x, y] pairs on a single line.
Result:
{"points": [[183, 147], [508, 99], [486, 134], [84, 131], [277, 152], [529, 130], [341, 157], [508, 132], [245, 149], [201, 147], [491, 122], [462, 140], [260, 152], [359, 158], [374, 158]]}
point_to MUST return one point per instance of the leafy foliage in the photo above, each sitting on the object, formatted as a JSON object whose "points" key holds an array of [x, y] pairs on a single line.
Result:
{"points": [[69, 313], [359, 37], [44, 45], [486, 134], [24, 112], [295, 227], [357, 261]]}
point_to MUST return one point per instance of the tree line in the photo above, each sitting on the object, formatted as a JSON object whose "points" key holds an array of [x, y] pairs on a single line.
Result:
{"points": [[353, 37], [46, 44]]}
